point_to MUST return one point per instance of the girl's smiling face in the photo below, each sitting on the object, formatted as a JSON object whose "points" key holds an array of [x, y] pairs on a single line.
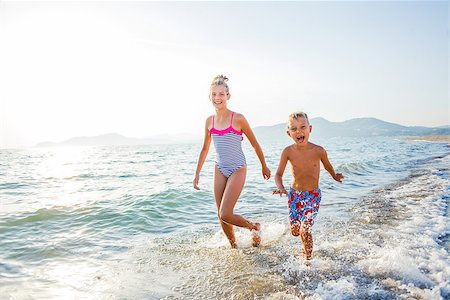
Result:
{"points": [[219, 96], [298, 130]]}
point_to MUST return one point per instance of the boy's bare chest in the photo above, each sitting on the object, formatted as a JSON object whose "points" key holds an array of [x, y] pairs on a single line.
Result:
{"points": [[307, 160]]}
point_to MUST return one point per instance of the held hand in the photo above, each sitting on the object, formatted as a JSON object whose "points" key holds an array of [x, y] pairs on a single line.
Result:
{"points": [[266, 172], [280, 192], [195, 183], [338, 177]]}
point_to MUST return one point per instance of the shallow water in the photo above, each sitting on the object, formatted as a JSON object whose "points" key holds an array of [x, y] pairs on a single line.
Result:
{"points": [[124, 223]]}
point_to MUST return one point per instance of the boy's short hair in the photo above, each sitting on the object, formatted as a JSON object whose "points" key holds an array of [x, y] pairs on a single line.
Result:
{"points": [[297, 115]]}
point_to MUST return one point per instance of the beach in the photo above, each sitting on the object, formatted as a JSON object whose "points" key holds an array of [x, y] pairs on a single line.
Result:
{"points": [[431, 138], [125, 223]]}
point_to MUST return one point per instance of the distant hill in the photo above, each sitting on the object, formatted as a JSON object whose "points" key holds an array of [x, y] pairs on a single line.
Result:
{"points": [[360, 127], [114, 139]]}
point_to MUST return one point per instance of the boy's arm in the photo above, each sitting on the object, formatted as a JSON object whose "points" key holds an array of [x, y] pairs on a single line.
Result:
{"points": [[327, 165], [279, 174], [202, 156], [252, 139]]}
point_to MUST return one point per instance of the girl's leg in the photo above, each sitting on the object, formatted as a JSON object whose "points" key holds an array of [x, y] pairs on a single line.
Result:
{"points": [[230, 196], [220, 182]]}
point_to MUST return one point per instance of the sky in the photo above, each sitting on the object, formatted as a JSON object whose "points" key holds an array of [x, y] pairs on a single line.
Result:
{"points": [[144, 68]]}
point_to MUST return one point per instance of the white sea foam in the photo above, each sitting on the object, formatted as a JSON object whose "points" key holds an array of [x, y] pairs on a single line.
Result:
{"points": [[270, 232], [413, 256], [397, 262], [281, 296], [344, 287]]}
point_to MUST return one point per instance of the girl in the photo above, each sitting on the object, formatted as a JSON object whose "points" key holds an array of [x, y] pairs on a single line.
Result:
{"points": [[225, 128]]}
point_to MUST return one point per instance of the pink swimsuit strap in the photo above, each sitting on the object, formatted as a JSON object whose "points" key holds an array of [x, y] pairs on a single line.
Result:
{"points": [[226, 130]]}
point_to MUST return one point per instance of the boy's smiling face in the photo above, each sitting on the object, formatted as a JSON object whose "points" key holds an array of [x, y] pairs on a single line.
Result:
{"points": [[298, 130]]}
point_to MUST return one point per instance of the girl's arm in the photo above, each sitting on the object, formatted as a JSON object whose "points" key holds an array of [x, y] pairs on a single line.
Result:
{"points": [[203, 155], [279, 175], [327, 165], [245, 127]]}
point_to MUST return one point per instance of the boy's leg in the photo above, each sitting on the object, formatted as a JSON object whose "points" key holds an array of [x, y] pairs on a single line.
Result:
{"points": [[220, 182], [307, 240], [295, 228]]}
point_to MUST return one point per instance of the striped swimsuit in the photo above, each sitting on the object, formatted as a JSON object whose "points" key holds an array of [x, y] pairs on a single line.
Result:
{"points": [[228, 144]]}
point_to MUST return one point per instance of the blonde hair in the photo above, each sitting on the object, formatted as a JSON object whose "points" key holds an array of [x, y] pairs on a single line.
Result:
{"points": [[297, 115], [220, 80]]}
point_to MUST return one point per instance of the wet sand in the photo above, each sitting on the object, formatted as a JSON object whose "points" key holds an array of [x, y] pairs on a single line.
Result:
{"points": [[431, 138]]}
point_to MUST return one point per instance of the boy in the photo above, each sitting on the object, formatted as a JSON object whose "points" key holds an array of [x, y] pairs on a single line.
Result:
{"points": [[304, 195]]}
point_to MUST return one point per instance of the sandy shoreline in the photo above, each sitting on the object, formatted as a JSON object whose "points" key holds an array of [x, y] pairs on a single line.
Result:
{"points": [[431, 138]]}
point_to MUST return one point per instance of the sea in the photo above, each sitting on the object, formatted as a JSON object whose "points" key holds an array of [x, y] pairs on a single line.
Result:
{"points": [[123, 222]]}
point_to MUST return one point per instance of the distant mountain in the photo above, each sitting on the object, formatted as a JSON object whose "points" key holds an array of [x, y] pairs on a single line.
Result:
{"points": [[114, 139], [360, 127]]}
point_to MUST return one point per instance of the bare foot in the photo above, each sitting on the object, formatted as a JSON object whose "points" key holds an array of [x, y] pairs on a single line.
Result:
{"points": [[256, 235]]}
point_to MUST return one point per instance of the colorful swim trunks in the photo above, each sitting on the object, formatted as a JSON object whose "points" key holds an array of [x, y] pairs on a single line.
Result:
{"points": [[303, 206]]}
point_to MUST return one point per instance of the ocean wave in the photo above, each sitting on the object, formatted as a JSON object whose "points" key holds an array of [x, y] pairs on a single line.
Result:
{"points": [[410, 219], [13, 186], [41, 215], [8, 270], [360, 168]]}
